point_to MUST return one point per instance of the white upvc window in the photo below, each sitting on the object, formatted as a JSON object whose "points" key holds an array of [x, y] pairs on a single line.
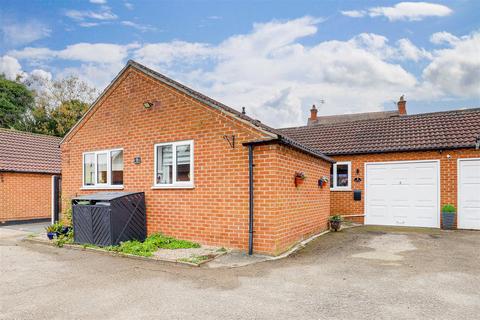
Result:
{"points": [[341, 176], [174, 165], [103, 169]]}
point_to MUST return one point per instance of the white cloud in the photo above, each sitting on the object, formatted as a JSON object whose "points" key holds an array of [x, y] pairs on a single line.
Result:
{"points": [[41, 74], [455, 70], [411, 11], [84, 52], [128, 5], [23, 33], [443, 38], [98, 1], [90, 24], [276, 77], [168, 52], [408, 51], [104, 14], [97, 52], [354, 13], [140, 27], [10, 67], [378, 45]]}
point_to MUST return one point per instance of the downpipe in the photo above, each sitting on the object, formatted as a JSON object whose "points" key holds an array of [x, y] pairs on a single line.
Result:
{"points": [[250, 203]]}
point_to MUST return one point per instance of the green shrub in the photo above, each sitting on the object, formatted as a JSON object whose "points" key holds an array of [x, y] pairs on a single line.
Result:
{"points": [[64, 238], [56, 227], [151, 244], [67, 216], [336, 217], [448, 208]]}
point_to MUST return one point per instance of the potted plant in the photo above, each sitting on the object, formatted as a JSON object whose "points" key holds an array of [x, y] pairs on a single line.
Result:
{"points": [[65, 229], [335, 222], [323, 181], [448, 217], [299, 177], [54, 230]]}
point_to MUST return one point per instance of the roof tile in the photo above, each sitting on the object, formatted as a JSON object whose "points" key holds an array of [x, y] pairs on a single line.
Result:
{"points": [[427, 131], [29, 152]]}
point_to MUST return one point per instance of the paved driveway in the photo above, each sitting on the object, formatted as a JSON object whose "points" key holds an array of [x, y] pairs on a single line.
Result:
{"points": [[360, 273]]}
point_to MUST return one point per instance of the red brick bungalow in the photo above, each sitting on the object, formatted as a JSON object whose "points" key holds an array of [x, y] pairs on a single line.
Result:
{"points": [[28, 163], [209, 173], [399, 169]]}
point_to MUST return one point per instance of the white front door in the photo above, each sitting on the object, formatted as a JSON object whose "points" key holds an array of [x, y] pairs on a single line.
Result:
{"points": [[469, 193], [402, 193]]}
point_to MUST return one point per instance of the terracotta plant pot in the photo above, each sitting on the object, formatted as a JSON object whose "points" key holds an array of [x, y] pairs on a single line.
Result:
{"points": [[335, 225]]}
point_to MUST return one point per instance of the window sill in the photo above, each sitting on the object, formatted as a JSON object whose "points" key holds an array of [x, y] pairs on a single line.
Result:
{"points": [[173, 187], [102, 188], [340, 189]]}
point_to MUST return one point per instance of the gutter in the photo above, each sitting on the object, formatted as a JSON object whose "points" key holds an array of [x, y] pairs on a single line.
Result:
{"points": [[293, 144]]}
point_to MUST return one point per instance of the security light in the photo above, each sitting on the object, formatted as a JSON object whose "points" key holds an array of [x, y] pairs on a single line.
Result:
{"points": [[147, 105]]}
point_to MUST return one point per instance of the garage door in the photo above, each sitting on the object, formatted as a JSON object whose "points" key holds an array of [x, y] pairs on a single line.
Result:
{"points": [[469, 194], [402, 194]]}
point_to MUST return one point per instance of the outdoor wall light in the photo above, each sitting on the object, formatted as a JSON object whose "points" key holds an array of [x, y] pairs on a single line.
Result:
{"points": [[147, 105]]}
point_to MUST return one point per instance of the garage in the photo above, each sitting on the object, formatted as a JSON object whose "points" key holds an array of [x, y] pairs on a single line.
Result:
{"points": [[469, 193], [402, 193]]}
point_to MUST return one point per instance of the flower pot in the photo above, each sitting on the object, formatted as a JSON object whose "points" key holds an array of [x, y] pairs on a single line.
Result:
{"points": [[66, 229], [298, 181], [335, 225], [52, 235], [448, 220]]}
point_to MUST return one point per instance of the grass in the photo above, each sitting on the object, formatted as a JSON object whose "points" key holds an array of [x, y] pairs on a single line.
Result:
{"points": [[151, 244]]}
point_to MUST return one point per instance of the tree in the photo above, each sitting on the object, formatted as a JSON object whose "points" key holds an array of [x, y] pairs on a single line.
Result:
{"points": [[67, 114], [58, 105], [52, 93], [15, 101]]}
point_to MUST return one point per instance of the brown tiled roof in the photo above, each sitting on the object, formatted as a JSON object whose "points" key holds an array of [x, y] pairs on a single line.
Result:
{"points": [[356, 117], [29, 152], [427, 131]]}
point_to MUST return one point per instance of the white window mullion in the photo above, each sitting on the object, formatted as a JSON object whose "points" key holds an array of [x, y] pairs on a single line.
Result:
{"points": [[174, 163], [109, 167], [350, 175], [95, 169], [334, 175]]}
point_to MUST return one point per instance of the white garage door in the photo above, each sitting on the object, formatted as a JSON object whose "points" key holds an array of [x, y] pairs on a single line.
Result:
{"points": [[402, 194], [469, 194]]}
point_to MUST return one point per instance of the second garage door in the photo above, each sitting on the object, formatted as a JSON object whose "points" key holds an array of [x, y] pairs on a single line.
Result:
{"points": [[402, 194]]}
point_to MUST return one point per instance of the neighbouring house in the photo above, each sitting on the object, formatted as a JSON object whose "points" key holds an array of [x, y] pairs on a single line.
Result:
{"points": [[28, 164], [210, 173], [397, 169]]}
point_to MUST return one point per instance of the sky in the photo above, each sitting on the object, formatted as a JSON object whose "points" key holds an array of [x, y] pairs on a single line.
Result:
{"points": [[275, 58]]}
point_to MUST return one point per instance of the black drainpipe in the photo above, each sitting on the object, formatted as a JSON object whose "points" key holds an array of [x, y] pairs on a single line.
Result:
{"points": [[250, 208]]}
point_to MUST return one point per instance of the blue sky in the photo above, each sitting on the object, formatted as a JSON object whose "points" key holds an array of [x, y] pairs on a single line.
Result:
{"points": [[275, 58]]}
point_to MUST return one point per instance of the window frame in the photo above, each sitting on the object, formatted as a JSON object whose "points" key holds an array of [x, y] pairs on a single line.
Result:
{"points": [[109, 184], [334, 178], [175, 184]]}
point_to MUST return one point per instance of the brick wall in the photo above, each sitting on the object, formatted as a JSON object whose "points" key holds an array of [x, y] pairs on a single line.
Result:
{"points": [[342, 201], [285, 214], [216, 210], [25, 196]]}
